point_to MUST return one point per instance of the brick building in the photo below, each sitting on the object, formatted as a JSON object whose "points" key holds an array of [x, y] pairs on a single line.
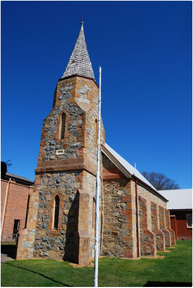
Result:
{"points": [[15, 191], [134, 220], [180, 207]]}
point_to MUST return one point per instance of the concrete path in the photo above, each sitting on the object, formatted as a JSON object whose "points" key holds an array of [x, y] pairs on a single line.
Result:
{"points": [[8, 253]]}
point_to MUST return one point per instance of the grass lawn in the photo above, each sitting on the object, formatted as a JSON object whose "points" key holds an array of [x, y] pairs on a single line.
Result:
{"points": [[175, 267]]}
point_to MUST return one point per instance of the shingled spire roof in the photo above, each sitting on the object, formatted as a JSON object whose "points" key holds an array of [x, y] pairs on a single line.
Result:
{"points": [[79, 63]]}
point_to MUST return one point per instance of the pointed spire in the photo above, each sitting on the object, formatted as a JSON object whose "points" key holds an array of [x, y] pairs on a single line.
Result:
{"points": [[79, 63]]}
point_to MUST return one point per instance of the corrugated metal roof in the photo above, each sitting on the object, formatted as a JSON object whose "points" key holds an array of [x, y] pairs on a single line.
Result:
{"points": [[178, 198], [130, 169], [13, 176]]}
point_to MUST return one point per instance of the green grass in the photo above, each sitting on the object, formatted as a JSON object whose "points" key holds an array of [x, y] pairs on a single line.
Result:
{"points": [[175, 267], [7, 244]]}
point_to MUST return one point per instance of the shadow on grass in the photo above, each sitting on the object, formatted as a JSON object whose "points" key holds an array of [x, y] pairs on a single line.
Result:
{"points": [[66, 285], [167, 284]]}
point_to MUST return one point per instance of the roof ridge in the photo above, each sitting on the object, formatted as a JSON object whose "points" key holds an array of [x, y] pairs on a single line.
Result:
{"points": [[8, 174]]}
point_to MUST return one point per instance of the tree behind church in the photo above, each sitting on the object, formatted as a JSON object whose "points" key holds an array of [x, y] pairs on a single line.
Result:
{"points": [[160, 181]]}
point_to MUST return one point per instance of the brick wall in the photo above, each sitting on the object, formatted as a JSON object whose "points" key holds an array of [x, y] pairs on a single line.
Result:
{"points": [[179, 224], [16, 206]]}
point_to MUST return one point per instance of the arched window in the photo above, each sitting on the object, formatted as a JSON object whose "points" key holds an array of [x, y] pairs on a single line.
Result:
{"points": [[56, 212], [63, 124]]}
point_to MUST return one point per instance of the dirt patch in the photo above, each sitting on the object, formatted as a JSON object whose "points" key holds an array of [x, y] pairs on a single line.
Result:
{"points": [[91, 264], [152, 257], [81, 266]]}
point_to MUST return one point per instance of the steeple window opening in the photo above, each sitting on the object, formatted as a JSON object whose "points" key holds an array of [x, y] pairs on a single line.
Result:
{"points": [[63, 125], [56, 212]]}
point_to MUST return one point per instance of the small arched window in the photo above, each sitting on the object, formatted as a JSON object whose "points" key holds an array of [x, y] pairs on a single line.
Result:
{"points": [[63, 124], [56, 212]]}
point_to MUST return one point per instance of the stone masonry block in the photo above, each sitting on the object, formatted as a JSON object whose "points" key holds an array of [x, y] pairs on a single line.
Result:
{"points": [[84, 197]]}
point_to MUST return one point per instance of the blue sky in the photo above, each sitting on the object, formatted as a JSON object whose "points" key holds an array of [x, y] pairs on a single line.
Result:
{"points": [[144, 49]]}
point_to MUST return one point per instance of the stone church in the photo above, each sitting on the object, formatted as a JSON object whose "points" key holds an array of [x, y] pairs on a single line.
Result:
{"points": [[134, 220]]}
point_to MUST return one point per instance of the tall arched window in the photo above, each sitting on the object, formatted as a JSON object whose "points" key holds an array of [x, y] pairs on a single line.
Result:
{"points": [[56, 212], [63, 124]]}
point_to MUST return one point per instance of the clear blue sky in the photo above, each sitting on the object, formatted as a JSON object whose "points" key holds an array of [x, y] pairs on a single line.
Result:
{"points": [[144, 49]]}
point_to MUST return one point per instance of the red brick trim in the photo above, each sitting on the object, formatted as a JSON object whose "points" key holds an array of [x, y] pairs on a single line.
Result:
{"points": [[112, 174]]}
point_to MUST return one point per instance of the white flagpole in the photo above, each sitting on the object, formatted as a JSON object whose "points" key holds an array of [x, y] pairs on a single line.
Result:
{"points": [[97, 187]]}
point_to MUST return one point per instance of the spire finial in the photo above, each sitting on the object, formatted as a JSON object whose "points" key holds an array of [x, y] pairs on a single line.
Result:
{"points": [[79, 62], [82, 24]]}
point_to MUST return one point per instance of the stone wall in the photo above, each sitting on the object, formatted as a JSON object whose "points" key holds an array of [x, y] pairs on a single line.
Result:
{"points": [[119, 213], [168, 227], [150, 197], [74, 140], [63, 242], [160, 241], [77, 98], [162, 223], [156, 221], [67, 168], [74, 239], [120, 217], [147, 238]]}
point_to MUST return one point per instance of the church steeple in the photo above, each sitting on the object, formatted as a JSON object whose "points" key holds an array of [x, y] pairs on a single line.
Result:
{"points": [[79, 63]]}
